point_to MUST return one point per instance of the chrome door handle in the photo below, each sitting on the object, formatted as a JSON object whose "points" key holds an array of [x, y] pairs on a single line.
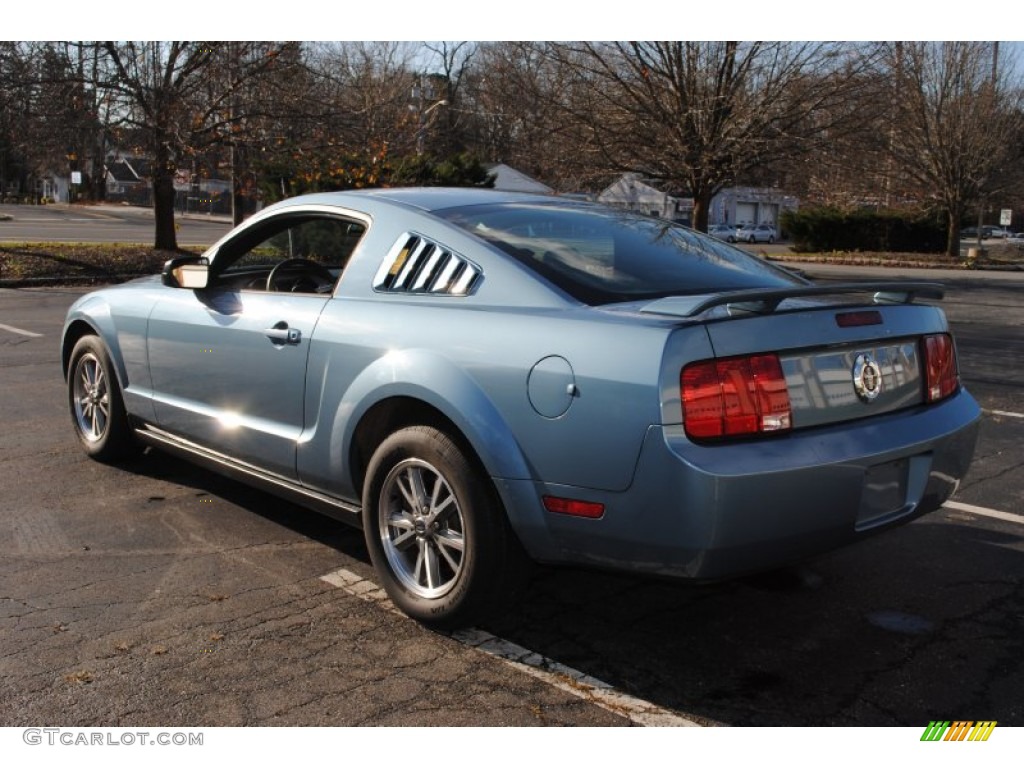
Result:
{"points": [[282, 334]]}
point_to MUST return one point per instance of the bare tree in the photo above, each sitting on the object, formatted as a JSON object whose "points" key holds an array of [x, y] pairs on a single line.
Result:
{"points": [[513, 108], [253, 84], [178, 97], [367, 115], [16, 109], [50, 120], [956, 119], [700, 115], [340, 120], [444, 89], [366, 92]]}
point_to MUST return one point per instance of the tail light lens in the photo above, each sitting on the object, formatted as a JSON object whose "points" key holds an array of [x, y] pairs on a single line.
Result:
{"points": [[734, 397], [574, 507], [941, 376]]}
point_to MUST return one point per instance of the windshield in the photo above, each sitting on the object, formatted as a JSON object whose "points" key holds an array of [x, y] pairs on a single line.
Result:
{"points": [[601, 256]]}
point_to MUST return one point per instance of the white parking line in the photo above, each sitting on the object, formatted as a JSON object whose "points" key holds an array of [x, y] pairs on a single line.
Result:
{"points": [[55, 220], [23, 332], [1008, 517], [604, 695], [1010, 414]]}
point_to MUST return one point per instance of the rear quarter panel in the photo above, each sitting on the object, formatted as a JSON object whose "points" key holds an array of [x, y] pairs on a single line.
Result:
{"points": [[472, 358], [474, 363]]}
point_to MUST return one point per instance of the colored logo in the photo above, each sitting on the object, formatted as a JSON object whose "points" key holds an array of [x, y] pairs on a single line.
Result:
{"points": [[959, 730], [867, 378]]}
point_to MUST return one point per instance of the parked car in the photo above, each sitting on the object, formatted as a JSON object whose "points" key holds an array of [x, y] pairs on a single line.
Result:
{"points": [[481, 379], [987, 233], [762, 233], [725, 232]]}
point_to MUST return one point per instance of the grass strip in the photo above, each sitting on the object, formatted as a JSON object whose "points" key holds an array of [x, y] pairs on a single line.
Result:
{"points": [[57, 263]]}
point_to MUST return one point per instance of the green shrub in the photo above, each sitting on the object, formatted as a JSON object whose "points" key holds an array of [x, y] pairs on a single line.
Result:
{"points": [[830, 229]]}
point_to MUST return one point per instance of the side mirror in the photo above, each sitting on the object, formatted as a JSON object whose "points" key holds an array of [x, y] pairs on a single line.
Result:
{"points": [[191, 272]]}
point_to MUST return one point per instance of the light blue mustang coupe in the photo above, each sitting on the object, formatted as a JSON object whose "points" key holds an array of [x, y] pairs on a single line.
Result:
{"points": [[480, 379]]}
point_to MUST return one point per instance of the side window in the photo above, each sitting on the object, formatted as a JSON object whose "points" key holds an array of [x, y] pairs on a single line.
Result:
{"points": [[293, 254]]}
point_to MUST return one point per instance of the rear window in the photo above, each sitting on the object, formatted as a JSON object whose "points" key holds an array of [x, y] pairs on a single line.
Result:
{"points": [[602, 256]]}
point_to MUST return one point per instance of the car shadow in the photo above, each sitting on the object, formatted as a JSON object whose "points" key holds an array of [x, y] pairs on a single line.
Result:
{"points": [[921, 623], [918, 624], [166, 467]]}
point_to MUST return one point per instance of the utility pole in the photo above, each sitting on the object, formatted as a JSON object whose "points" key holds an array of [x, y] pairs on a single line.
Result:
{"points": [[993, 84], [237, 203], [421, 114]]}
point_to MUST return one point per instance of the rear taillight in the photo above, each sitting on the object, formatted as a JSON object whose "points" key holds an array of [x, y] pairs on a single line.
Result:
{"points": [[734, 397], [941, 376]]}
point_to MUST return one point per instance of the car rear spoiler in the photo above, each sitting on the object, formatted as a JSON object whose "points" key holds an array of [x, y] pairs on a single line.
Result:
{"points": [[767, 300]]}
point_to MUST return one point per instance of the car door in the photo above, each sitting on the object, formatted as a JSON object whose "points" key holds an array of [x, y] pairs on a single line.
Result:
{"points": [[228, 362]]}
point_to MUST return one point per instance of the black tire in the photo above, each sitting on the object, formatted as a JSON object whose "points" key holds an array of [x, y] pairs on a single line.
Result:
{"points": [[97, 408], [449, 559], [771, 240]]}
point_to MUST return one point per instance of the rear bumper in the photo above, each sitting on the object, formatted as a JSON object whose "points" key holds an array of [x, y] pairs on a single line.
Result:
{"points": [[713, 512]]}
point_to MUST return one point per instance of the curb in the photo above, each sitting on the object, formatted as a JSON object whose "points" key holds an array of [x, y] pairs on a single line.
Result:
{"points": [[29, 282], [849, 261]]}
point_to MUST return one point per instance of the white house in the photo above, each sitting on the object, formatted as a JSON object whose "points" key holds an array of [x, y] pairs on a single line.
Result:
{"points": [[509, 179], [54, 187], [635, 193], [750, 205], [734, 205]]}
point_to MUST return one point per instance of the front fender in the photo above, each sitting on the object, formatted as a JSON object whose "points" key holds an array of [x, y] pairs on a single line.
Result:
{"points": [[91, 315], [123, 332]]}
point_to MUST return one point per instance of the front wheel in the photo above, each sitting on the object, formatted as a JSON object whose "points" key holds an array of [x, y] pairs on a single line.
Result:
{"points": [[97, 409], [436, 531]]}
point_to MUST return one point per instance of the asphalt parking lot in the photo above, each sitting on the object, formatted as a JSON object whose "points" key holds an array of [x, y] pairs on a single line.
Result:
{"points": [[158, 593]]}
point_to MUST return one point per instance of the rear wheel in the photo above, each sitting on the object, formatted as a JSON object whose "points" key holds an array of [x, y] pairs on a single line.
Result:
{"points": [[97, 409], [436, 531]]}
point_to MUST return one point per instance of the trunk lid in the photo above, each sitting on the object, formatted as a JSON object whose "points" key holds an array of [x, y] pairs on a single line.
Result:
{"points": [[841, 359]]}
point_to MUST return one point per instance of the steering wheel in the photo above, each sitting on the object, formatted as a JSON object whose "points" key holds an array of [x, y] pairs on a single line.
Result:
{"points": [[317, 273]]}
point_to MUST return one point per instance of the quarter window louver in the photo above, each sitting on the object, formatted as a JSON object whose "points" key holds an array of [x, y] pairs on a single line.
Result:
{"points": [[417, 265]]}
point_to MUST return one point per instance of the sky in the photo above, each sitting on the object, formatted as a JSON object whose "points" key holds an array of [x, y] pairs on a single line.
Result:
{"points": [[517, 20]]}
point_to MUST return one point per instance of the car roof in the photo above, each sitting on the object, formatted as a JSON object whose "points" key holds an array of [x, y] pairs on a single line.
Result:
{"points": [[425, 198]]}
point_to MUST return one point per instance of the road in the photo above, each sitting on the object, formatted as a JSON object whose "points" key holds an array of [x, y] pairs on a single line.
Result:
{"points": [[101, 224], [158, 593]]}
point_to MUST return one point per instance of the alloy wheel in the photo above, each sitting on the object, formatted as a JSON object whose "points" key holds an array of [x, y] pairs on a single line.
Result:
{"points": [[421, 528], [91, 398]]}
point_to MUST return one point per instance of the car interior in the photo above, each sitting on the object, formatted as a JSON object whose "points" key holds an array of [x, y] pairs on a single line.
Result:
{"points": [[288, 254]]}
